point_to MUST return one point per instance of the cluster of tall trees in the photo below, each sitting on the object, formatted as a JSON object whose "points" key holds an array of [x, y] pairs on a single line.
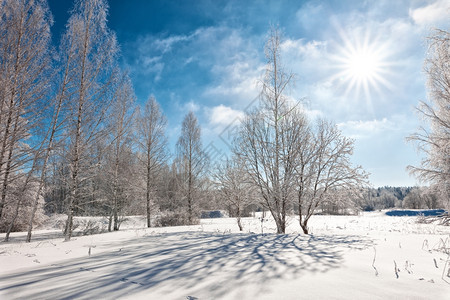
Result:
{"points": [[25, 77], [72, 139]]}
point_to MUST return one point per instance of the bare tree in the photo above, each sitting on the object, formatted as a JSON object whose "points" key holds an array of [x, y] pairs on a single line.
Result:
{"points": [[119, 165], [191, 161], [269, 137], [233, 184], [323, 167], [89, 51], [24, 82], [151, 128], [435, 141]]}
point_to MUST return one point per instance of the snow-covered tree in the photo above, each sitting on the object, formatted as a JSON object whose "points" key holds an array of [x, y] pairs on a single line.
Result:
{"points": [[323, 167], [235, 187], [88, 53], [24, 85], [21, 202], [151, 126], [434, 141], [191, 163], [119, 169], [270, 135]]}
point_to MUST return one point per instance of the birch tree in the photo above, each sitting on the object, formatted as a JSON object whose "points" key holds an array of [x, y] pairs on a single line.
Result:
{"points": [[89, 51], [24, 84], [434, 141], [191, 161], [118, 170], [151, 126]]}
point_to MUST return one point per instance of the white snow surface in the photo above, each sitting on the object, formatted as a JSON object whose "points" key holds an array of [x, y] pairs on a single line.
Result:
{"points": [[344, 257]]}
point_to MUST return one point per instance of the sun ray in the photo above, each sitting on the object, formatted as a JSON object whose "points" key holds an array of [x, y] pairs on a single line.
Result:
{"points": [[361, 64]]}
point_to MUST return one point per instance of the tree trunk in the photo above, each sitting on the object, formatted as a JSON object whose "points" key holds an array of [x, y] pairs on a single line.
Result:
{"points": [[190, 187], [69, 225], [281, 226], [110, 221], [116, 218], [8, 167], [304, 226], [11, 225], [116, 189], [239, 219], [240, 224]]}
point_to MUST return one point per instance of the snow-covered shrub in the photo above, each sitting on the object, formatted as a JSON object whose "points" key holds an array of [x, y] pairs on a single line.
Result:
{"points": [[175, 218]]}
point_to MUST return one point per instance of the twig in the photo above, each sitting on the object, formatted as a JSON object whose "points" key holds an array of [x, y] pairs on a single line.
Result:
{"points": [[373, 262], [447, 262], [396, 270], [408, 267], [425, 244]]}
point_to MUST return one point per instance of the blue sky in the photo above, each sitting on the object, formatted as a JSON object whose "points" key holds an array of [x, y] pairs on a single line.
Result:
{"points": [[207, 56]]}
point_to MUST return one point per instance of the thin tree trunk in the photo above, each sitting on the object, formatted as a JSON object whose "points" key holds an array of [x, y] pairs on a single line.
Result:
{"points": [[115, 192], [110, 221], [239, 219], [149, 223]]}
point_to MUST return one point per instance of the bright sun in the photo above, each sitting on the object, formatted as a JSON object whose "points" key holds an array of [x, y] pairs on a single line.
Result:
{"points": [[362, 65]]}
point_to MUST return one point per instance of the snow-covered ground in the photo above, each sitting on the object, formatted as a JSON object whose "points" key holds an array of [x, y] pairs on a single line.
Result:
{"points": [[371, 256]]}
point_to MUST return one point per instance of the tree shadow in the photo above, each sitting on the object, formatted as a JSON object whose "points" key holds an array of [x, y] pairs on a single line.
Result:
{"points": [[192, 261], [19, 237]]}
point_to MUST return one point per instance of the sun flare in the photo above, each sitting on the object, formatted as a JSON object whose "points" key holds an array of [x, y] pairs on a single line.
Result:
{"points": [[362, 65]]}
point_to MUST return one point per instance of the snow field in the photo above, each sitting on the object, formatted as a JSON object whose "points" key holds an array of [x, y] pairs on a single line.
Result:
{"points": [[214, 261]]}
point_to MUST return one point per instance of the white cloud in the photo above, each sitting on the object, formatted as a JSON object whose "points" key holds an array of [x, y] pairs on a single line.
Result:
{"points": [[313, 114], [150, 51], [365, 129], [394, 125], [238, 82], [432, 13], [223, 115], [152, 65], [234, 63], [190, 106], [184, 107], [299, 47], [166, 44]]}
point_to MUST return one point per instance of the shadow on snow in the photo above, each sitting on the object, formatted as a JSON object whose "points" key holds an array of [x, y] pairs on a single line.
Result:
{"points": [[187, 261]]}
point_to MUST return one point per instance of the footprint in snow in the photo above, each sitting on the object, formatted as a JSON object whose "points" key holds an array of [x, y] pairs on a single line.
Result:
{"points": [[133, 282]]}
